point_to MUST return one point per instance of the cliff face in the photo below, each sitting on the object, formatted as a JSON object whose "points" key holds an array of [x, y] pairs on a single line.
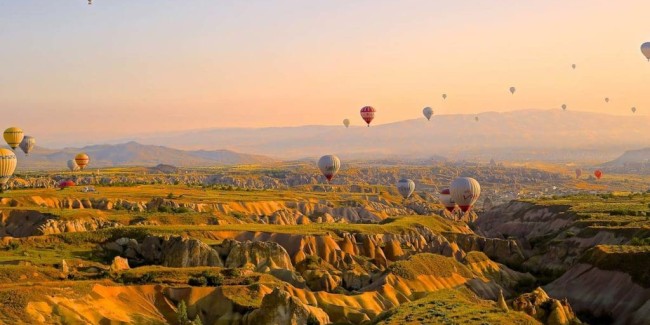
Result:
{"points": [[609, 283]]}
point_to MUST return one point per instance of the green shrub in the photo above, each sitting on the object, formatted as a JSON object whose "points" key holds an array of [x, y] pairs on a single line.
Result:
{"points": [[199, 281], [213, 279]]}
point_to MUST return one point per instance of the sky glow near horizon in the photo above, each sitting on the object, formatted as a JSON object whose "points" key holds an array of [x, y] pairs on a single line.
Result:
{"points": [[120, 67]]}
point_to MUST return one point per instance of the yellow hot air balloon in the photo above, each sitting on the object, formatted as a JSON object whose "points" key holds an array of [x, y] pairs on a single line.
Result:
{"points": [[7, 166], [14, 136], [82, 160]]}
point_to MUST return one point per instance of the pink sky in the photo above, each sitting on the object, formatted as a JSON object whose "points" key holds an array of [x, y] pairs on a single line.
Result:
{"points": [[122, 67]]}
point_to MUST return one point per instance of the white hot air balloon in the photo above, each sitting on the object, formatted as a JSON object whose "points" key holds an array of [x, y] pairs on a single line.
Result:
{"points": [[512, 90], [406, 187], [8, 164], [346, 122], [329, 165], [465, 191], [645, 49], [72, 165], [428, 112], [27, 144], [446, 200]]}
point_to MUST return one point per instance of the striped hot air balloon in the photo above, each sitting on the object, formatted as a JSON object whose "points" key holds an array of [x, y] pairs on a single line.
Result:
{"points": [[82, 160], [8, 164], [368, 114], [329, 165], [13, 136], [405, 187], [465, 191], [446, 200]]}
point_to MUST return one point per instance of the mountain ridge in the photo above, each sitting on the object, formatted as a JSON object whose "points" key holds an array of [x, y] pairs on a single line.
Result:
{"points": [[133, 153]]}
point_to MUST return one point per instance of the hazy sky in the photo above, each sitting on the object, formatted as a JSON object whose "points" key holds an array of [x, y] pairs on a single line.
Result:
{"points": [[120, 67]]}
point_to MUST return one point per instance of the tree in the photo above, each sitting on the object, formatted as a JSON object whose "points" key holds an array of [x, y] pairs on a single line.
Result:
{"points": [[181, 314]]}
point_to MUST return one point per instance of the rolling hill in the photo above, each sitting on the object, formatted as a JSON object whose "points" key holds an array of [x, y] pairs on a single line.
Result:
{"points": [[135, 154], [641, 156]]}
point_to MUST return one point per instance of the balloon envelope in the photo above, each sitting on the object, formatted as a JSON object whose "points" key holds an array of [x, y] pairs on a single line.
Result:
{"points": [[633, 109], [444, 96], [8, 164], [465, 191], [368, 114], [406, 187], [564, 107], [13, 136], [606, 99], [512, 90], [645, 49], [82, 160], [72, 165], [573, 66], [329, 165], [446, 200], [27, 144], [346, 122], [598, 173], [65, 184], [428, 112]]}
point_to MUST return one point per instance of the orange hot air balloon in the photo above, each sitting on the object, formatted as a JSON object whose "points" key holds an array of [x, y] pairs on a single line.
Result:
{"points": [[82, 160], [598, 173]]}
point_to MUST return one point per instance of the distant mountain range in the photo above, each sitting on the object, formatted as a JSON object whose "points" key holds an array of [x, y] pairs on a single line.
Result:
{"points": [[135, 154], [546, 135], [641, 156]]}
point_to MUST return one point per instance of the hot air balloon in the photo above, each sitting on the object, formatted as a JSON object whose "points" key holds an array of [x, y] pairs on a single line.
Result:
{"points": [[564, 107], [444, 96], [476, 118], [66, 184], [465, 191], [512, 90], [405, 187], [8, 164], [72, 165], [13, 136], [368, 114], [447, 201], [633, 109], [346, 122], [428, 112], [329, 165], [598, 173], [645, 49], [27, 144], [578, 172], [606, 99], [82, 160], [573, 66]]}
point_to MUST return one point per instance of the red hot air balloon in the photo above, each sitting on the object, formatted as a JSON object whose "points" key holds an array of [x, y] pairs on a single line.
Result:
{"points": [[368, 114], [66, 184], [598, 173]]}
